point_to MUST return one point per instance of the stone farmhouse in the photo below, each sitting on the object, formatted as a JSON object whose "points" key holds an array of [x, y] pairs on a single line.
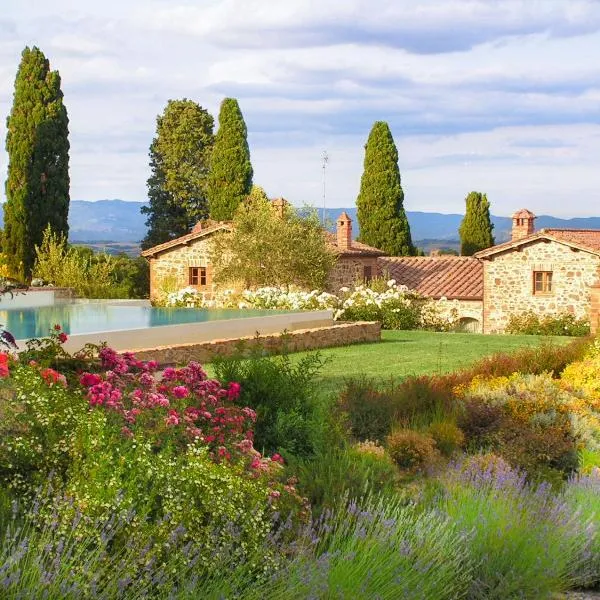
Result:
{"points": [[550, 271], [185, 261]]}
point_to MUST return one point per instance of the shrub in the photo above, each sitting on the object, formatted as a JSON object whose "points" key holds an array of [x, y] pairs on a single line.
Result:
{"points": [[284, 395], [447, 436], [410, 449], [530, 323], [334, 476]]}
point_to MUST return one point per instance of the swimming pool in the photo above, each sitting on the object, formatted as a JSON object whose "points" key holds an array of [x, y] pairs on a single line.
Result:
{"points": [[75, 319], [135, 325]]}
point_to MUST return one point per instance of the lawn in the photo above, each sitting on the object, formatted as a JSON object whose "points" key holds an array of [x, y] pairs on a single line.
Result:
{"points": [[402, 353]]}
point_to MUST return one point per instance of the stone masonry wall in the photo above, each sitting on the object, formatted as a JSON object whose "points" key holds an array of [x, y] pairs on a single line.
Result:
{"points": [[339, 334], [170, 269], [350, 270], [508, 283]]}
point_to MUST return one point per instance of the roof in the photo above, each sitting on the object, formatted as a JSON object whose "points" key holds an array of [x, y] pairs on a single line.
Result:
{"points": [[184, 240], [356, 249], [523, 214], [453, 277], [587, 240]]}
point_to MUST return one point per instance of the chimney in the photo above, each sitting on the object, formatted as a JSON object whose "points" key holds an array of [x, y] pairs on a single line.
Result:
{"points": [[522, 224], [344, 232], [279, 206]]}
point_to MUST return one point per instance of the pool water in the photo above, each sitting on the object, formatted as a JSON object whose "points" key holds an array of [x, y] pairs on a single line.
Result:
{"points": [[94, 318]]}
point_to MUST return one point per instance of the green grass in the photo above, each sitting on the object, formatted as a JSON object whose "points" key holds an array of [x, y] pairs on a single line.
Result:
{"points": [[402, 353]]}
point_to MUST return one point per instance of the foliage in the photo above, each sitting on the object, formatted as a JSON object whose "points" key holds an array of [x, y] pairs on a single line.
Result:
{"points": [[530, 323], [381, 216], [37, 188], [283, 394], [90, 275], [179, 160], [336, 475], [476, 227], [448, 437], [523, 541], [265, 248], [230, 177], [411, 450]]}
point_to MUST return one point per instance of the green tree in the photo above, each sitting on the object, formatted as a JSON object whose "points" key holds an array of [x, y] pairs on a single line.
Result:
{"points": [[264, 248], [230, 177], [476, 228], [37, 142], [380, 203], [179, 162]]}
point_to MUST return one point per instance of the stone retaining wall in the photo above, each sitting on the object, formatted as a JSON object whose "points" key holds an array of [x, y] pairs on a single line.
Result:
{"points": [[339, 334]]}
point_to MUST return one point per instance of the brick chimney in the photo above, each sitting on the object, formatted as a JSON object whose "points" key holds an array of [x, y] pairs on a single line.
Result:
{"points": [[279, 206], [523, 224], [344, 232]]}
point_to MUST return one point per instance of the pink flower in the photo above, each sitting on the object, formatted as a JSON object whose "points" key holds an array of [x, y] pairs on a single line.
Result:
{"points": [[275, 494], [173, 418], [62, 337], [57, 327], [180, 391], [277, 458], [169, 373], [126, 432], [233, 391], [89, 379]]}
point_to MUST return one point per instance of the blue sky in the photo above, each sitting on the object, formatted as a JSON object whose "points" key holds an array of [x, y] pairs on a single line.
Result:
{"points": [[500, 96]]}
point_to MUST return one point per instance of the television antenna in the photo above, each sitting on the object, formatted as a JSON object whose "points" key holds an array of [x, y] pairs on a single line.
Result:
{"points": [[324, 161]]}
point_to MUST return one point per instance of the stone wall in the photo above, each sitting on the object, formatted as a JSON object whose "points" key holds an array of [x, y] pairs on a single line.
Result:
{"points": [[508, 282], [339, 334], [169, 270], [470, 313], [349, 270], [595, 310]]}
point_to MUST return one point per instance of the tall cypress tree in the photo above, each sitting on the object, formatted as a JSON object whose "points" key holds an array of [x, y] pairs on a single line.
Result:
{"points": [[179, 162], [380, 203], [37, 142], [230, 178], [476, 228]]}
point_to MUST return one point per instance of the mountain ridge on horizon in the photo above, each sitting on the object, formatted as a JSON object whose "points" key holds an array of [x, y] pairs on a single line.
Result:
{"points": [[117, 220]]}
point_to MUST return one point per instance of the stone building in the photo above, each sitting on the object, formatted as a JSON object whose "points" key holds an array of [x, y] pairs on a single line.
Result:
{"points": [[549, 272], [185, 261], [457, 278]]}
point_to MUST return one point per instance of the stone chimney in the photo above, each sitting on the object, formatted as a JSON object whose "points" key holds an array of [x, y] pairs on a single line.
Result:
{"points": [[523, 224], [279, 206], [344, 232]]}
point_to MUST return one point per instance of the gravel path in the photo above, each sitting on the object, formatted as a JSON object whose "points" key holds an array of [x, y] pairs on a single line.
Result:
{"points": [[583, 596]]}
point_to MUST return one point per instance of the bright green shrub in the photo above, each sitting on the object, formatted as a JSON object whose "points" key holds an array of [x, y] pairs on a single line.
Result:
{"points": [[410, 449], [284, 395]]}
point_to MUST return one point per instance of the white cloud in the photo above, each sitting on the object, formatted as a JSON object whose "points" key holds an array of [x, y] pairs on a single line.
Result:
{"points": [[501, 96]]}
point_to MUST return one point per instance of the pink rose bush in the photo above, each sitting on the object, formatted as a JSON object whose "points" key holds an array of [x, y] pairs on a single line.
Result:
{"points": [[179, 405]]}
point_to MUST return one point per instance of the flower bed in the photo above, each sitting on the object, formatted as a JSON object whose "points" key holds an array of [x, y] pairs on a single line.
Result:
{"points": [[395, 306]]}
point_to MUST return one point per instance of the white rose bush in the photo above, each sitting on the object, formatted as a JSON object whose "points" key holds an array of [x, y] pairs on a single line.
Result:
{"points": [[395, 306]]}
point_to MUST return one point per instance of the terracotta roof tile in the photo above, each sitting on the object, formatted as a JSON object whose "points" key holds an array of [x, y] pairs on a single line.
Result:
{"points": [[455, 277], [185, 239], [585, 239], [357, 249]]}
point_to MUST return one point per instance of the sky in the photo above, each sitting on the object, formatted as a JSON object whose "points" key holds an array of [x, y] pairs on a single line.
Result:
{"points": [[498, 96]]}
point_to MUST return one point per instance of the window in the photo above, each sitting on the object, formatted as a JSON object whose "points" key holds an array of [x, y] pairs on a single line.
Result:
{"points": [[367, 273], [542, 282], [198, 276]]}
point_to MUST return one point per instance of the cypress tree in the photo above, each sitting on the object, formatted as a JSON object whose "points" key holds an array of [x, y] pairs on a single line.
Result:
{"points": [[179, 163], [380, 203], [230, 178], [37, 142], [476, 228]]}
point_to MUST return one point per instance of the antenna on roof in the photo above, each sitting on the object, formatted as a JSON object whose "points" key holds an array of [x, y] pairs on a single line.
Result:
{"points": [[324, 161]]}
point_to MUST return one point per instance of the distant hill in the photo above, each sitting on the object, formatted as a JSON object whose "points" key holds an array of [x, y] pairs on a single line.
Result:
{"points": [[121, 221]]}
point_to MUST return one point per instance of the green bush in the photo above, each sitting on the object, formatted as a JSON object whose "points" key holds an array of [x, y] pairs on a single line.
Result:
{"points": [[447, 436], [334, 476], [284, 393], [530, 323]]}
